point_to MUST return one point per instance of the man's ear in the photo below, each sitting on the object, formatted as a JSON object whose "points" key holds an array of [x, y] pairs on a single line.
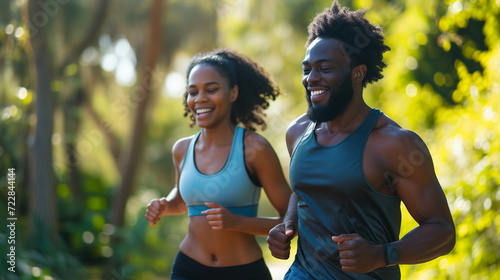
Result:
{"points": [[234, 94], [358, 74]]}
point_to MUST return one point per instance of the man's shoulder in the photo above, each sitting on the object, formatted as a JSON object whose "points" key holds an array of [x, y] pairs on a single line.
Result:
{"points": [[298, 126], [295, 131], [390, 134]]}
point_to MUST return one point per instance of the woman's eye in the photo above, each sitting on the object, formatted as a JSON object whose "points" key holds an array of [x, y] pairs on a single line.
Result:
{"points": [[211, 90], [306, 70], [192, 93]]}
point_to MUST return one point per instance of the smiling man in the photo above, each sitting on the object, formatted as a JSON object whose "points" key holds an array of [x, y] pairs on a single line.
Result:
{"points": [[352, 166]]}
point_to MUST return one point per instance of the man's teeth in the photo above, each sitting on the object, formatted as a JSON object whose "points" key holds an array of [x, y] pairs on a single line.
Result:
{"points": [[201, 111], [316, 92]]}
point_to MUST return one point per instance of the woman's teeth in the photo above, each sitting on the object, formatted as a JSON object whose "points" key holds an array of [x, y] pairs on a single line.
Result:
{"points": [[204, 110]]}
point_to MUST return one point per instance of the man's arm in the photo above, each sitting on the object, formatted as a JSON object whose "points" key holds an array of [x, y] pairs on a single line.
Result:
{"points": [[415, 181], [407, 164]]}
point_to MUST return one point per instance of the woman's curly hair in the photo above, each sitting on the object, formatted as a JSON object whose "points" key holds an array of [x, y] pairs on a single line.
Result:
{"points": [[363, 42], [255, 86]]}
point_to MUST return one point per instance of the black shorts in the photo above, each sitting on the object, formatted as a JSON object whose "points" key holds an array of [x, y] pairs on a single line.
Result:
{"points": [[185, 268]]}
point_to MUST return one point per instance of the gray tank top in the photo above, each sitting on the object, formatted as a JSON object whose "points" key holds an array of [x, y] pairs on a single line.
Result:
{"points": [[336, 198]]}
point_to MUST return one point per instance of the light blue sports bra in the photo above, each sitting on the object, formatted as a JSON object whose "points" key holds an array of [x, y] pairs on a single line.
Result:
{"points": [[231, 187]]}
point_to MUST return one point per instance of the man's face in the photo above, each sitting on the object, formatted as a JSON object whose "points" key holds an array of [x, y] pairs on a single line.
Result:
{"points": [[327, 80]]}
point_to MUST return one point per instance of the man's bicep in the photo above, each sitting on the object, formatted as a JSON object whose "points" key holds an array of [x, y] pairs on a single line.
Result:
{"points": [[424, 200], [415, 179], [421, 192]]}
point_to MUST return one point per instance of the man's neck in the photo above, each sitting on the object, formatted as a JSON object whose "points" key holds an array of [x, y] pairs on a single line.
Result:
{"points": [[349, 120]]}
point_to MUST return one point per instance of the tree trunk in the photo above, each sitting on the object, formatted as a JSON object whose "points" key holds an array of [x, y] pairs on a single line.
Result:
{"points": [[72, 123], [142, 96], [72, 118], [42, 199]]}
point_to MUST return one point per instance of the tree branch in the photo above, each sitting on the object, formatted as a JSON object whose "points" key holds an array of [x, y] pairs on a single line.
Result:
{"points": [[111, 138], [89, 39], [131, 155]]}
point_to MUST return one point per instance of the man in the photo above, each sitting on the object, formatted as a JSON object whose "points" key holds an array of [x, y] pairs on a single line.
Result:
{"points": [[351, 166]]}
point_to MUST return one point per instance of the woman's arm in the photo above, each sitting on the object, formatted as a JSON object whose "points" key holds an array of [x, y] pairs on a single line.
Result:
{"points": [[173, 204], [262, 161]]}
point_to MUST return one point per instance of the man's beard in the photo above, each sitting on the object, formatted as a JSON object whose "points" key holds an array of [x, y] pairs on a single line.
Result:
{"points": [[336, 105]]}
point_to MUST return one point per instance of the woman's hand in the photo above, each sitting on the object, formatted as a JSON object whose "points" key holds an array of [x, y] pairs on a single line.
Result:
{"points": [[155, 210], [220, 218]]}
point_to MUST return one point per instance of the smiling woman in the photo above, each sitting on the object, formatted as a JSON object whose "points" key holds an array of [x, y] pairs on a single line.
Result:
{"points": [[209, 95], [253, 84], [221, 171]]}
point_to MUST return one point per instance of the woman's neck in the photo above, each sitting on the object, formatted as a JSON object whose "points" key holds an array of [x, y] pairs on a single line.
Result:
{"points": [[218, 136]]}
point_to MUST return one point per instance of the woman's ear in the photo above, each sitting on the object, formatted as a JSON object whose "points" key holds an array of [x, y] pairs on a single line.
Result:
{"points": [[234, 94], [358, 73]]}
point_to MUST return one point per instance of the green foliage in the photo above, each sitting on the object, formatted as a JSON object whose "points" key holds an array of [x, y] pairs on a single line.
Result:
{"points": [[442, 81]]}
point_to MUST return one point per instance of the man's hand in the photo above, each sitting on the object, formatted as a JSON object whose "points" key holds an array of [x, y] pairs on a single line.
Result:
{"points": [[358, 254], [155, 210], [220, 218], [279, 239]]}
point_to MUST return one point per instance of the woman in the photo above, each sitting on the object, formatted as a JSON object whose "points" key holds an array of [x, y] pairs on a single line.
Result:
{"points": [[221, 170]]}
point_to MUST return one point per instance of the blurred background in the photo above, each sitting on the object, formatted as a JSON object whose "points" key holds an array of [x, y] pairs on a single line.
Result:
{"points": [[90, 106]]}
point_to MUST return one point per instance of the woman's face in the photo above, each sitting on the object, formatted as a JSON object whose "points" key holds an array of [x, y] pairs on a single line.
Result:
{"points": [[209, 96]]}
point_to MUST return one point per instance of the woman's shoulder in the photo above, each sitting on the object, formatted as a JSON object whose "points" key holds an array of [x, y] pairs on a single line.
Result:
{"points": [[259, 152], [180, 147], [254, 141]]}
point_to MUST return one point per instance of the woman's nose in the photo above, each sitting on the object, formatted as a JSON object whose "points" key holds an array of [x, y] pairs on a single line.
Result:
{"points": [[201, 97]]}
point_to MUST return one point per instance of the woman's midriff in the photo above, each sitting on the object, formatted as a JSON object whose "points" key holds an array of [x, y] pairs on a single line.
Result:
{"points": [[218, 248]]}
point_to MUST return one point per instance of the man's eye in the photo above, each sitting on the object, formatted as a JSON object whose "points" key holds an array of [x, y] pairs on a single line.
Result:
{"points": [[306, 70]]}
